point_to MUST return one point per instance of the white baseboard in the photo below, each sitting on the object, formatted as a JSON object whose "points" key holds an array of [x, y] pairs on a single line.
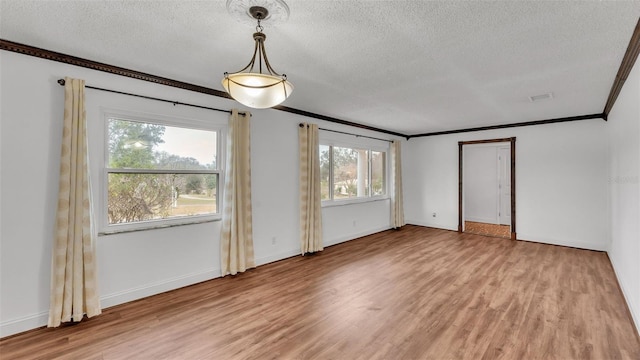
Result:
{"points": [[526, 237], [432, 225], [291, 253], [575, 244], [342, 239], [140, 292], [24, 323], [277, 257], [634, 315], [30, 322]]}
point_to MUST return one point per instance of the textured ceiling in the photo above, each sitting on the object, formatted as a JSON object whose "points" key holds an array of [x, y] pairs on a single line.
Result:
{"points": [[406, 66]]}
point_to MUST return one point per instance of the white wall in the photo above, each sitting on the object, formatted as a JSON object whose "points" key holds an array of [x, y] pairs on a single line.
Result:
{"points": [[565, 173], [624, 151], [137, 264], [561, 177], [480, 183]]}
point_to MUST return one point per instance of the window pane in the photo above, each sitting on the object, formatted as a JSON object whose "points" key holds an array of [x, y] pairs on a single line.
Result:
{"points": [[378, 173], [140, 197], [141, 145], [324, 172], [350, 173]]}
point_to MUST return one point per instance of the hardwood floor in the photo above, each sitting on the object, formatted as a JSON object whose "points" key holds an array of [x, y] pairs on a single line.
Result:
{"points": [[416, 293]]}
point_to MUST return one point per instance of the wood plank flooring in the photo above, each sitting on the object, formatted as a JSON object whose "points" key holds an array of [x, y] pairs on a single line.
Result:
{"points": [[414, 293]]}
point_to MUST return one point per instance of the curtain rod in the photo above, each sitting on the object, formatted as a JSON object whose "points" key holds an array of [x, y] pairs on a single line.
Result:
{"points": [[346, 133], [62, 82]]}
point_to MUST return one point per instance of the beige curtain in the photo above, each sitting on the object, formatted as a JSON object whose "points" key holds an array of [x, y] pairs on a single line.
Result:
{"points": [[236, 248], [74, 290], [397, 207], [310, 209]]}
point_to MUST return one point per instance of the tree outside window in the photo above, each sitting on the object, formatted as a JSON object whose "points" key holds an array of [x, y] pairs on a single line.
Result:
{"points": [[347, 172], [151, 174]]}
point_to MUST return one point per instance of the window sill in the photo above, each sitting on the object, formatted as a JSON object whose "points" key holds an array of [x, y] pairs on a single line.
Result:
{"points": [[332, 203], [154, 226]]}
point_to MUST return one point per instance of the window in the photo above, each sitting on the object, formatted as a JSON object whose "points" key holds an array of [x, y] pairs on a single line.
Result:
{"points": [[160, 173], [352, 172]]}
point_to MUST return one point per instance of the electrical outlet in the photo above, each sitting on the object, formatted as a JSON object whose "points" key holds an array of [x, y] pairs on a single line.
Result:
{"points": [[354, 223], [273, 240]]}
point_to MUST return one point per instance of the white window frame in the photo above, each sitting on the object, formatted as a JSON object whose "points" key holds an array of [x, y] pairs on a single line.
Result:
{"points": [[364, 145], [105, 228]]}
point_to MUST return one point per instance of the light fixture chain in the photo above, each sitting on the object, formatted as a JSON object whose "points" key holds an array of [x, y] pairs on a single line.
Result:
{"points": [[257, 89], [260, 52]]}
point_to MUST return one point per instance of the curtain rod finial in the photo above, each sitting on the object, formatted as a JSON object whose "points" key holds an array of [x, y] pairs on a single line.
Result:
{"points": [[61, 81]]}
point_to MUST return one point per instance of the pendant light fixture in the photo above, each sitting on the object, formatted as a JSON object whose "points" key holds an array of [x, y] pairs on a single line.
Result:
{"points": [[253, 88]]}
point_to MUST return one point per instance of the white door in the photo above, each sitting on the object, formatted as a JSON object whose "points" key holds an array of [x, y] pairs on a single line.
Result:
{"points": [[504, 185]]}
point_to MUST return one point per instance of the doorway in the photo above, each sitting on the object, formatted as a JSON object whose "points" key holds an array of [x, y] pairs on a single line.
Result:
{"points": [[486, 187]]}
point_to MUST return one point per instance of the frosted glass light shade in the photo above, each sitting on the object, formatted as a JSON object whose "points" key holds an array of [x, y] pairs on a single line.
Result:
{"points": [[255, 90]]}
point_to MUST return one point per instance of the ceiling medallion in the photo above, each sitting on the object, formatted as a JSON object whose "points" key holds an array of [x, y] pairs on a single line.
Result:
{"points": [[278, 11], [258, 89]]}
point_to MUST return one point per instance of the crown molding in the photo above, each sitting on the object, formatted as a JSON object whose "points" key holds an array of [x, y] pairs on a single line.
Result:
{"points": [[629, 59]]}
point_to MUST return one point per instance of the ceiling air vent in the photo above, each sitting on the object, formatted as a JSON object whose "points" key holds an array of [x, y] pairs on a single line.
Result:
{"points": [[547, 96]]}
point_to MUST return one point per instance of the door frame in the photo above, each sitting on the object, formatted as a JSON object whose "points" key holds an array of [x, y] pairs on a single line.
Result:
{"points": [[512, 141]]}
